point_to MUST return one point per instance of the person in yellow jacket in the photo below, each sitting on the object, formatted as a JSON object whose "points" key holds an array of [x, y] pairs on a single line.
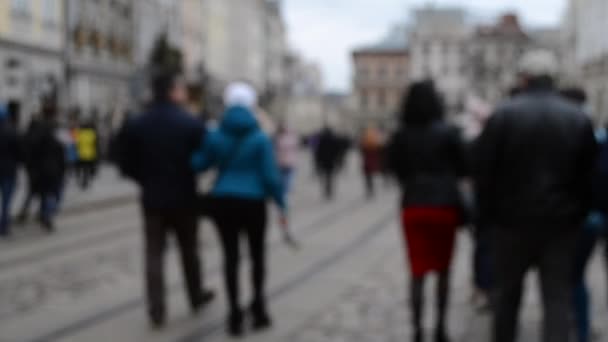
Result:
{"points": [[87, 144]]}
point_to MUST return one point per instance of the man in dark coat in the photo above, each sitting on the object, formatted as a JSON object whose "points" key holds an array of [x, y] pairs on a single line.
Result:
{"points": [[327, 157], [154, 150], [9, 158], [534, 165]]}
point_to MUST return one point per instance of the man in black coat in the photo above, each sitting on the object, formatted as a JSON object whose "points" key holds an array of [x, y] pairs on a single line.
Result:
{"points": [[534, 165], [154, 150], [327, 158], [9, 158]]}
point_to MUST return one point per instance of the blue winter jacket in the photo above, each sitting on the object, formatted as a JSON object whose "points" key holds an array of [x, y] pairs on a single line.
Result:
{"points": [[244, 157]]}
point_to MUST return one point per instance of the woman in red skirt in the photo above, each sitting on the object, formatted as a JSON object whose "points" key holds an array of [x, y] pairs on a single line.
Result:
{"points": [[428, 158]]}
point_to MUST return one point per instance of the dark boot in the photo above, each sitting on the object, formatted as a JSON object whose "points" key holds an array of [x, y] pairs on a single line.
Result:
{"points": [[205, 299], [260, 320], [441, 335], [235, 324], [418, 336]]}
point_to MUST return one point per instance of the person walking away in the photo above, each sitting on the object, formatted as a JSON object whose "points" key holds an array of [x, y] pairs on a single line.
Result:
{"points": [[47, 161], [286, 148], [154, 151], [9, 158], [327, 157], [593, 227], [248, 174], [534, 164], [371, 154], [87, 142], [427, 157]]}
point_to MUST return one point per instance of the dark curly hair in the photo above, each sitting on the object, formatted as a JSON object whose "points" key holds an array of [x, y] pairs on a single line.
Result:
{"points": [[422, 105]]}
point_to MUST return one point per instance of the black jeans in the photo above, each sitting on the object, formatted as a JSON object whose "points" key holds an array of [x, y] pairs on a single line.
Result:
{"points": [[233, 217], [552, 251], [158, 224], [327, 181]]}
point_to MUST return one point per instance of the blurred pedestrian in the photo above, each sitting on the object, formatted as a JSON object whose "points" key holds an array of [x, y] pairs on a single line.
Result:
{"points": [[10, 155], [286, 148], [327, 158], [46, 164], [428, 159], [154, 150], [593, 229], [87, 143], [534, 164], [248, 174], [371, 146]]}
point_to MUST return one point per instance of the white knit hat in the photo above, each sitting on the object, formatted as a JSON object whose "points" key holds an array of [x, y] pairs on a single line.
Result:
{"points": [[539, 63], [240, 94]]}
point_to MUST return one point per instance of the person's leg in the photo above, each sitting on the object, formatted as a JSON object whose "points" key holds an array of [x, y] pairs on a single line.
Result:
{"points": [[7, 187], [256, 233], [186, 232], [509, 280], [555, 267], [369, 183], [417, 306], [155, 240], [27, 202], [47, 209], [582, 311], [228, 230], [443, 291]]}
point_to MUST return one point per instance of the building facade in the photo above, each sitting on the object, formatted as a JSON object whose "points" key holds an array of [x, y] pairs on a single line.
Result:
{"points": [[192, 38], [31, 53], [100, 55], [305, 112], [381, 75], [494, 55], [438, 50], [585, 35]]}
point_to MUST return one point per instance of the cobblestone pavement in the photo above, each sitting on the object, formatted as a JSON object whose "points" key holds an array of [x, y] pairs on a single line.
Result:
{"points": [[347, 283]]}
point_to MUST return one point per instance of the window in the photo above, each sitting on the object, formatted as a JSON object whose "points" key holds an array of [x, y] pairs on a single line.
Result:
{"points": [[382, 73], [382, 99], [21, 7], [49, 11], [364, 100]]}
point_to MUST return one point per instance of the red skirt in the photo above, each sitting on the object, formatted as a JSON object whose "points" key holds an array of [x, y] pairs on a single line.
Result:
{"points": [[429, 236]]}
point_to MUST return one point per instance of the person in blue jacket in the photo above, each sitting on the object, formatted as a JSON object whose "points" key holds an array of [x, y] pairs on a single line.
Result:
{"points": [[248, 175]]}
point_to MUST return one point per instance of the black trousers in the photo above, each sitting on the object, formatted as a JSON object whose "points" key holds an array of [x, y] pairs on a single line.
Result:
{"points": [[327, 181], [236, 217], [552, 252], [158, 225]]}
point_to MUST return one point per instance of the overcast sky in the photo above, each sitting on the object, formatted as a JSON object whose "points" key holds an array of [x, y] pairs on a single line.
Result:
{"points": [[327, 30]]}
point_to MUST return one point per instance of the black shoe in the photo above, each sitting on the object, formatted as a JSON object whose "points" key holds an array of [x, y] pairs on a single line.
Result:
{"points": [[157, 323], [260, 320], [441, 336], [48, 225], [418, 336], [235, 324], [206, 298], [21, 219]]}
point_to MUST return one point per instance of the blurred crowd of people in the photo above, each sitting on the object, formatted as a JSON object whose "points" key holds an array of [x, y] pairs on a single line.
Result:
{"points": [[531, 182], [48, 152], [539, 177]]}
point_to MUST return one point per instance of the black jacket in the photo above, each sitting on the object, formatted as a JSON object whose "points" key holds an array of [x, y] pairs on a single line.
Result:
{"points": [[45, 157], [329, 150], [10, 152], [155, 149], [428, 161], [534, 163]]}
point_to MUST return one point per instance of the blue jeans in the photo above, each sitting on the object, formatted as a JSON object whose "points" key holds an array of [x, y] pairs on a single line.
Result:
{"points": [[582, 300], [287, 174], [7, 187]]}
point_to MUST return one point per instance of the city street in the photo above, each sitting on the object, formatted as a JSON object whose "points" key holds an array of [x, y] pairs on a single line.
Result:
{"points": [[347, 282]]}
